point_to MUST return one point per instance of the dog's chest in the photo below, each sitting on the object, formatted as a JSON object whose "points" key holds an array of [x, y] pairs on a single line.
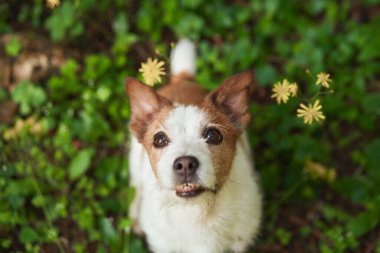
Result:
{"points": [[191, 228]]}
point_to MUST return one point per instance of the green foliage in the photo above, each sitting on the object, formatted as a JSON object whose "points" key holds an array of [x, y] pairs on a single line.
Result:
{"points": [[13, 47], [69, 179], [64, 22], [283, 236], [80, 164], [28, 96], [28, 235]]}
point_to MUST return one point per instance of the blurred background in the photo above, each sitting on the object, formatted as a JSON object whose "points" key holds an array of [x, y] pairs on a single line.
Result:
{"points": [[64, 114]]}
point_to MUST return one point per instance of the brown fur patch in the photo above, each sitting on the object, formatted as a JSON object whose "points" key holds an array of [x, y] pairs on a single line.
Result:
{"points": [[222, 155], [182, 89], [151, 130]]}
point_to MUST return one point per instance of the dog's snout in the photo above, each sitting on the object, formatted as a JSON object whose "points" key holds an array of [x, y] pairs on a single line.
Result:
{"points": [[186, 165]]}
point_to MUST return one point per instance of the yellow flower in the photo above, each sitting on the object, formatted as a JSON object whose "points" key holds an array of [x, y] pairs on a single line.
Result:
{"points": [[310, 112], [35, 127], [152, 71], [281, 91], [30, 125], [324, 79], [293, 88], [9, 134], [53, 3], [319, 171]]}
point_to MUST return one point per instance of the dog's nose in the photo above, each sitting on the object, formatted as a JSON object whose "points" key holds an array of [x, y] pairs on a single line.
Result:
{"points": [[185, 165]]}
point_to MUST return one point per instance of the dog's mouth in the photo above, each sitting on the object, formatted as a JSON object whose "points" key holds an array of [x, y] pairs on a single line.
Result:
{"points": [[189, 190]]}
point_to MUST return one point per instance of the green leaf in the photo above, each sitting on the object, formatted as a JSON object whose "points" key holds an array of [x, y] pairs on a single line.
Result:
{"points": [[38, 201], [125, 224], [357, 188], [266, 75], [372, 152], [79, 248], [189, 25], [6, 243], [101, 249], [13, 47], [28, 95], [51, 234], [80, 164], [283, 236], [76, 30], [371, 103], [120, 24], [107, 230], [85, 218], [62, 20], [28, 235], [136, 246], [191, 4], [364, 222], [69, 69]]}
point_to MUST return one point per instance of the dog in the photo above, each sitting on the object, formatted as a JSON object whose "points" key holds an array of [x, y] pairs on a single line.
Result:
{"points": [[190, 162]]}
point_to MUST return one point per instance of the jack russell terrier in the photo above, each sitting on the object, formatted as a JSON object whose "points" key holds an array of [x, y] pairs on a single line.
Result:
{"points": [[190, 162]]}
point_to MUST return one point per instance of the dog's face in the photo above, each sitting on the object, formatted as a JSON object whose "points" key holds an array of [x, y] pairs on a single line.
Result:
{"points": [[191, 148]]}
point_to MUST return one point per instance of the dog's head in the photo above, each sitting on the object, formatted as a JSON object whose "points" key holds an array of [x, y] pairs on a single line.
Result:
{"points": [[191, 147]]}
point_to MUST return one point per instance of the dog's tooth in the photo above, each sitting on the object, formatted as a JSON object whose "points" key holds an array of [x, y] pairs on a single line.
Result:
{"points": [[180, 187], [187, 187]]}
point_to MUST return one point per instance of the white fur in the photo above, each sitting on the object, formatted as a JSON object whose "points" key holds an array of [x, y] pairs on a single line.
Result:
{"points": [[208, 223], [184, 126], [183, 58]]}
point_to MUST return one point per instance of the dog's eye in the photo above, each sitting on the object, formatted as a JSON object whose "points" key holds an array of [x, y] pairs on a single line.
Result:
{"points": [[213, 136], [160, 140]]}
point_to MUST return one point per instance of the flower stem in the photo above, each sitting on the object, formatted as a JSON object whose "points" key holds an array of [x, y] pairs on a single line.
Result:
{"points": [[30, 172], [44, 209]]}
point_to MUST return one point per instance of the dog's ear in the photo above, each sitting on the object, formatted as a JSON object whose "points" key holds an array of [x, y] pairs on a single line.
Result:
{"points": [[144, 102], [232, 98]]}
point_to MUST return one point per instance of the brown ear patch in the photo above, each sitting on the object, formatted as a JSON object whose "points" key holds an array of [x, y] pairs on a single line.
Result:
{"points": [[145, 104], [232, 98]]}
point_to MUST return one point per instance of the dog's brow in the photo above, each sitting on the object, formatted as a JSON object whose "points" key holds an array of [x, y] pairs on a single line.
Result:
{"points": [[219, 126], [162, 124]]}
